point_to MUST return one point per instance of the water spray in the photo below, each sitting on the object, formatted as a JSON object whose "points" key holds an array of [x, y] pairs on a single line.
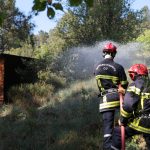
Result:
{"points": [[78, 62]]}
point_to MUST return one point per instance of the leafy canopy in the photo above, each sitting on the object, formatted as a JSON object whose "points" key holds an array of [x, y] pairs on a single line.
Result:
{"points": [[52, 6], [15, 28]]}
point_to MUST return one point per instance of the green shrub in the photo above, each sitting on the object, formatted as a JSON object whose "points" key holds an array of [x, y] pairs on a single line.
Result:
{"points": [[52, 78], [137, 142], [26, 95]]}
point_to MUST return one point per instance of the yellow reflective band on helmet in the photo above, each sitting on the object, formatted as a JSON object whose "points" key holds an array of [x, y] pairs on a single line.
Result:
{"points": [[107, 77], [124, 82], [109, 104], [125, 114], [134, 89], [135, 125]]}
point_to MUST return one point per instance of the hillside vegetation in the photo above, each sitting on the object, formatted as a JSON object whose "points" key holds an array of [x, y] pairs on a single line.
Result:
{"points": [[61, 110], [68, 119]]}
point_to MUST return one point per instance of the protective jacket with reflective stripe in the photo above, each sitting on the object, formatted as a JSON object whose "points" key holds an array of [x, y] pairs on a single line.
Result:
{"points": [[109, 75], [136, 106]]}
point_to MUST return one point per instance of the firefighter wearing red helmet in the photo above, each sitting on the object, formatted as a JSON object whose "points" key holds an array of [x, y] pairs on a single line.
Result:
{"points": [[137, 69], [109, 75], [135, 114], [111, 49]]}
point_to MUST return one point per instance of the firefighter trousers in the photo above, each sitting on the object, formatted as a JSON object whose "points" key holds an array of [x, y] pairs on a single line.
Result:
{"points": [[108, 126], [116, 138]]}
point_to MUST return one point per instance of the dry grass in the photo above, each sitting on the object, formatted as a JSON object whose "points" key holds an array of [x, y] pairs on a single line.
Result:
{"points": [[67, 119]]}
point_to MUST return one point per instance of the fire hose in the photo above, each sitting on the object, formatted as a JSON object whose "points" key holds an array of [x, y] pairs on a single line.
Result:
{"points": [[122, 127]]}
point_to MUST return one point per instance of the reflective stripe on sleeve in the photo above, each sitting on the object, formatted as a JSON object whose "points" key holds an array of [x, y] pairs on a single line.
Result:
{"points": [[124, 82], [134, 90], [143, 97], [125, 114]]}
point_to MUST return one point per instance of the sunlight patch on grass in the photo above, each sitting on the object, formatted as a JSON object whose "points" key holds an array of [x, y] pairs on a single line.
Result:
{"points": [[6, 110]]}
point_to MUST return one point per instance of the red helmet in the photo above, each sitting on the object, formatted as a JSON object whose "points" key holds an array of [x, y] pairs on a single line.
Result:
{"points": [[110, 48], [137, 69]]}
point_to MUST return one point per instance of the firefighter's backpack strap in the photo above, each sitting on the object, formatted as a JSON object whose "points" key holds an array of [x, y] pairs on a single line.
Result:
{"points": [[145, 97]]}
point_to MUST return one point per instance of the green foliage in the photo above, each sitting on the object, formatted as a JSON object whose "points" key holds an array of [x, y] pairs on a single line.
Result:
{"points": [[15, 28], [132, 146], [144, 39], [2, 17], [48, 47], [68, 122], [75, 2], [57, 6], [50, 13], [26, 51], [52, 6], [137, 142], [52, 78], [145, 24], [50, 113], [85, 25], [89, 3], [41, 5], [29, 95]]}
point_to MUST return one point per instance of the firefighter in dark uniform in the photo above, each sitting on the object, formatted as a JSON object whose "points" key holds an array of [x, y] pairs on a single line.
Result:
{"points": [[109, 75], [135, 114]]}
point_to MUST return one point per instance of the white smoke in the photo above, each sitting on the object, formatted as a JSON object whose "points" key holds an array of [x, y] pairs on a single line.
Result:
{"points": [[128, 54], [80, 61]]}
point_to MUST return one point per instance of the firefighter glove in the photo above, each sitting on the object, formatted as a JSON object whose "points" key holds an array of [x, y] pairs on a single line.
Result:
{"points": [[121, 90]]}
